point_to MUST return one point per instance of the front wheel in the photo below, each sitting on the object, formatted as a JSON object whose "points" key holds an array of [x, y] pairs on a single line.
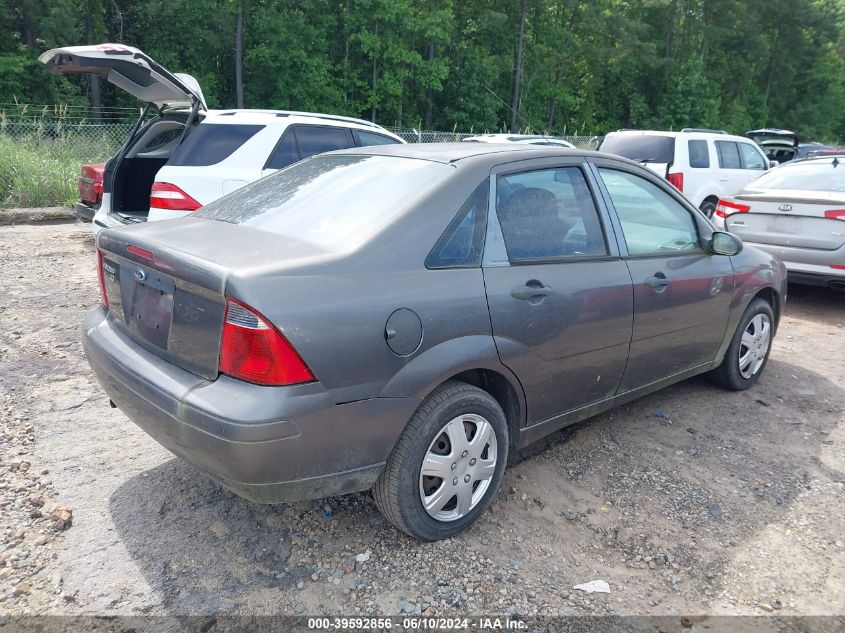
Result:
{"points": [[447, 465], [749, 350]]}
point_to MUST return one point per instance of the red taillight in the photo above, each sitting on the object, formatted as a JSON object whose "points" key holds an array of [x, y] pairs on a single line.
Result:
{"points": [[837, 267], [835, 214], [253, 350], [724, 208], [676, 180], [163, 195], [101, 275]]}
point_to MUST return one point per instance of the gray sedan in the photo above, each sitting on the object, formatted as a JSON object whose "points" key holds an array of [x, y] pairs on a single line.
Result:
{"points": [[797, 213], [402, 317]]}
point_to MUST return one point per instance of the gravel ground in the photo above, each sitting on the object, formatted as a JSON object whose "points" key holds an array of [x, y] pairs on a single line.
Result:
{"points": [[692, 500]]}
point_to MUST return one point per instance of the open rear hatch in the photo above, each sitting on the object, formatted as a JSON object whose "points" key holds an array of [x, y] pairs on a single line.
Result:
{"points": [[173, 303], [130, 69], [778, 145]]}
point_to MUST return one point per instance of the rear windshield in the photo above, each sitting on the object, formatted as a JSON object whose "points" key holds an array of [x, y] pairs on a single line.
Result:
{"points": [[331, 201], [640, 147], [211, 143], [814, 175]]}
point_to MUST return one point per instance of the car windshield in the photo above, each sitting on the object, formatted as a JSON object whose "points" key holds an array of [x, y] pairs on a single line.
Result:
{"points": [[331, 201], [813, 175], [648, 148]]}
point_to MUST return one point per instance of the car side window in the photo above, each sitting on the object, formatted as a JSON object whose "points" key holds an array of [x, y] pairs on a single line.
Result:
{"points": [[548, 214], [751, 157], [363, 139], [699, 154], [316, 139], [728, 155], [462, 242], [653, 222], [286, 152]]}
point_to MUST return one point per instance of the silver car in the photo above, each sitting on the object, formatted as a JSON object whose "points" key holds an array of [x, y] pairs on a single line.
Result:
{"points": [[401, 317], [797, 213]]}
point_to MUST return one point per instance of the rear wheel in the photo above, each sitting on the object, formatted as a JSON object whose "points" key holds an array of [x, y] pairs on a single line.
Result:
{"points": [[708, 208], [749, 350], [447, 465]]}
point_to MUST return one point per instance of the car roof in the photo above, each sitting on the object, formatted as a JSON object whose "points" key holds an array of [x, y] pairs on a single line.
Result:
{"points": [[284, 117], [722, 136], [512, 137], [454, 152]]}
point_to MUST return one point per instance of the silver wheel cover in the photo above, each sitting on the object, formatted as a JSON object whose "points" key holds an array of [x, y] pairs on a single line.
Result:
{"points": [[458, 467], [754, 346]]}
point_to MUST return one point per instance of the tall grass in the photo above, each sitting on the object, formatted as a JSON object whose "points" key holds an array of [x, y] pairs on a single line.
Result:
{"points": [[40, 161]]}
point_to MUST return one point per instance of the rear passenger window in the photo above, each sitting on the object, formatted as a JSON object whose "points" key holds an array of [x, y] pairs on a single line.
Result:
{"points": [[462, 242], [362, 139], [728, 155], [548, 214], [211, 143], [751, 158], [286, 152], [699, 154], [314, 139]]}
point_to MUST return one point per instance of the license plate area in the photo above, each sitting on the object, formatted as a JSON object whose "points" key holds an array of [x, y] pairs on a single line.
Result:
{"points": [[786, 225], [150, 307]]}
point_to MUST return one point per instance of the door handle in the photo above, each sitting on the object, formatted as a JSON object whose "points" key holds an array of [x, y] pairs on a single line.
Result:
{"points": [[723, 179], [532, 288], [657, 282]]}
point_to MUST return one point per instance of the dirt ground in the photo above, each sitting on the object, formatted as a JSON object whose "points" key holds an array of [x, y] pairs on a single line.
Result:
{"points": [[692, 500]]}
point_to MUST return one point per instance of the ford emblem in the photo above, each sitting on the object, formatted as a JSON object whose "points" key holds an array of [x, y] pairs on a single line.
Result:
{"points": [[140, 275], [785, 207]]}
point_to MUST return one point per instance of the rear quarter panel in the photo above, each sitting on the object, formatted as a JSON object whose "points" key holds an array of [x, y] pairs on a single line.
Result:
{"points": [[335, 314]]}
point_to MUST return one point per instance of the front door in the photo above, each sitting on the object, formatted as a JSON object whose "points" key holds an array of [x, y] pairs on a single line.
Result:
{"points": [[682, 293], [559, 293]]}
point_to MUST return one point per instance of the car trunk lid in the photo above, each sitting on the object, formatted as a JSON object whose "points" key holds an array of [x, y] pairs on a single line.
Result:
{"points": [[166, 282], [790, 218], [130, 69]]}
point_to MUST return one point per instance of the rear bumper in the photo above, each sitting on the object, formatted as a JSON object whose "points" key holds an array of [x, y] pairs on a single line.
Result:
{"points": [[267, 444], [84, 211]]}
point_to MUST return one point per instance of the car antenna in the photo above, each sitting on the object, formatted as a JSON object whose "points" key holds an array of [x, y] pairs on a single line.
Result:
{"points": [[516, 112], [835, 162]]}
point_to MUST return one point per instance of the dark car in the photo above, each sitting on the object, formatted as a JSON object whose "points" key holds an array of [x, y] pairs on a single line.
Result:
{"points": [[811, 150], [402, 317]]}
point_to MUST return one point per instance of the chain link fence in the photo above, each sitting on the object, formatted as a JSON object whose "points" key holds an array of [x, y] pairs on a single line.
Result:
{"points": [[43, 147]]}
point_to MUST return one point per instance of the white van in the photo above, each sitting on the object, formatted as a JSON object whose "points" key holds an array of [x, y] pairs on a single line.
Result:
{"points": [[181, 155], [704, 164]]}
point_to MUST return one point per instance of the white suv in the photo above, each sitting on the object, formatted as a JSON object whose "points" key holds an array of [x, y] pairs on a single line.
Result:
{"points": [[704, 164], [185, 155]]}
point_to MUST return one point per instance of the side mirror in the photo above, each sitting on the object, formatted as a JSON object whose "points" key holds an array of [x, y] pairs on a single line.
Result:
{"points": [[722, 243], [773, 163]]}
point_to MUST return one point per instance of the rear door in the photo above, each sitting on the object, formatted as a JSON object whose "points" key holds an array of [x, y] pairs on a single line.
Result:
{"points": [[559, 293], [682, 294]]}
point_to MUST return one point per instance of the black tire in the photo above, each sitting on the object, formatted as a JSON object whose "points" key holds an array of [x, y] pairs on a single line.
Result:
{"points": [[397, 490], [708, 208], [728, 375]]}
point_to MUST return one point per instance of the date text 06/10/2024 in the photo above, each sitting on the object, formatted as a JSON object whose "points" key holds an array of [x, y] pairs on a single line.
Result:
{"points": [[417, 624]]}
